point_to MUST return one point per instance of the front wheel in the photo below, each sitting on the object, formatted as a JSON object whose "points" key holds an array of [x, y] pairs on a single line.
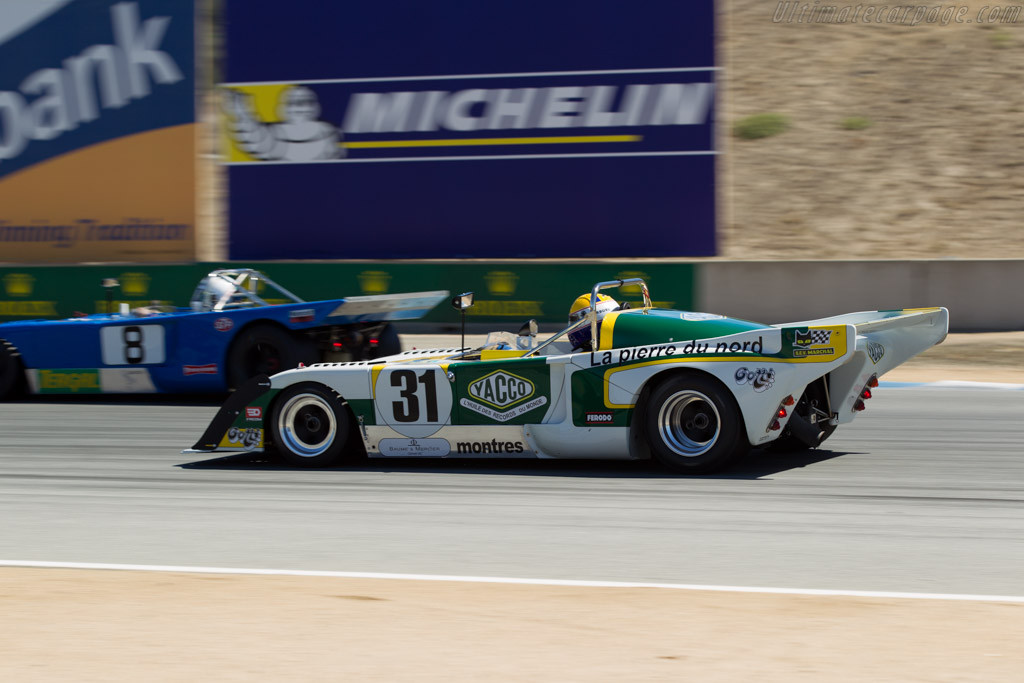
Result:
{"points": [[309, 425], [694, 425]]}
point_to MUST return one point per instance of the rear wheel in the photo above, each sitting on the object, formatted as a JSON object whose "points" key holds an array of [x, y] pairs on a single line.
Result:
{"points": [[11, 372], [310, 425], [263, 349], [693, 425]]}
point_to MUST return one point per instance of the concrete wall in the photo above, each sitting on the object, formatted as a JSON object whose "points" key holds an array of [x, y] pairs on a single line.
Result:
{"points": [[980, 295]]}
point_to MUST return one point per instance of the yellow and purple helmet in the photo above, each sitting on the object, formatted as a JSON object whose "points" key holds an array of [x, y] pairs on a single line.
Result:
{"points": [[579, 308]]}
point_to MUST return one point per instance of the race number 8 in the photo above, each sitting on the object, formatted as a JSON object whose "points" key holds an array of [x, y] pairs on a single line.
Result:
{"points": [[132, 344], [134, 352]]}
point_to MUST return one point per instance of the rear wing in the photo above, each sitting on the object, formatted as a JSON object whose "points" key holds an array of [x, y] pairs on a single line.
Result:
{"points": [[877, 321], [382, 307]]}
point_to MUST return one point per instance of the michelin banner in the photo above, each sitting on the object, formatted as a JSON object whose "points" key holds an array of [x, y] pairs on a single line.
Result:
{"points": [[97, 131], [490, 130]]}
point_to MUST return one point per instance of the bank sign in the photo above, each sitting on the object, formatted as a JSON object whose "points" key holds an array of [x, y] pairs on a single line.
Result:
{"points": [[488, 130], [97, 130]]}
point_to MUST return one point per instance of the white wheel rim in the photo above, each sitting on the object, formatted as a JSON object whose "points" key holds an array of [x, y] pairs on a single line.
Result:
{"points": [[307, 426], [689, 423]]}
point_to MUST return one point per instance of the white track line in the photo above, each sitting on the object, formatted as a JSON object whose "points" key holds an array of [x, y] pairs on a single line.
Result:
{"points": [[506, 580]]}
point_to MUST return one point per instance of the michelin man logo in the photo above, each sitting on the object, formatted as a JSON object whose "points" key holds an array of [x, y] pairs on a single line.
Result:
{"points": [[297, 136]]}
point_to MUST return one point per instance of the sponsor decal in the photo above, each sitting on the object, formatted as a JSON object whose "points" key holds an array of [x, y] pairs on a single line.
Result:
{"points": [[303, 315], [18, 284], [697, 317], [209, 369], [603, 417], [134, 284], [806, 338], [126, 380], [693, 347], [501, 389], [760, 379], [246, 438], [803, 353], [69, 381], [507, 415], [253, 413], [407, 448], [301, 123], [28, 309], [223, 324], [875, 351], [494, 446], [71, 94], [812, 342], [374, 281], [501, 282]]}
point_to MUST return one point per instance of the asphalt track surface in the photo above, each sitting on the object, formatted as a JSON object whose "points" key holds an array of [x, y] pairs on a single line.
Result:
{"points": [[923, 493]]}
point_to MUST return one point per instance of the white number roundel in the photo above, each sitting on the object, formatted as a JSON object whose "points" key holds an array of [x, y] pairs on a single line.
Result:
{"points": [[414, 401]]}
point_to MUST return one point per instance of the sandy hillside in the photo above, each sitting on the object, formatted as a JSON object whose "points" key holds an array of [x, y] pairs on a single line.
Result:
{"points": [[938, 173]]}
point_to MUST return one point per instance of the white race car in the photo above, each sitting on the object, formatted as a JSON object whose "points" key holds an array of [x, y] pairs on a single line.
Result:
{"points": [[693, 390]]}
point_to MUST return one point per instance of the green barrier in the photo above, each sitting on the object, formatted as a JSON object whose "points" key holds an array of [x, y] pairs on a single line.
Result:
{"points": [[506, 292]]}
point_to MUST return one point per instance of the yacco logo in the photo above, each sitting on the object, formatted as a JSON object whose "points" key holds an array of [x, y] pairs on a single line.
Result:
{"points": [[295, 122], [55, 100], [501, 389]]}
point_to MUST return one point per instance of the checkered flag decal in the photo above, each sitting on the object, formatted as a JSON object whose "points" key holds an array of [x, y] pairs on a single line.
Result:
{"points": [[820, 337]]}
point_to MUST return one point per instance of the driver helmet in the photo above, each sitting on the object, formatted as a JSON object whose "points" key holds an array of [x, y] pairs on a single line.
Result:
{"points": [[581, 336]]}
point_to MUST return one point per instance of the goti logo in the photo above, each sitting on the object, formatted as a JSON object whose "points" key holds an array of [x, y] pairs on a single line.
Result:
{"points": [[254, 413], [223, 324], [501, 389], [761, 379]]}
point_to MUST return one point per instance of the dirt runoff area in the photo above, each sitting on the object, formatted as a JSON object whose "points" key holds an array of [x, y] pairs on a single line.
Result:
{"points": [[88, 625]]}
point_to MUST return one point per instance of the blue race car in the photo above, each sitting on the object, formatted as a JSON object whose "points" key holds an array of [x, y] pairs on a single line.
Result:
{"points": [[231, 331]]}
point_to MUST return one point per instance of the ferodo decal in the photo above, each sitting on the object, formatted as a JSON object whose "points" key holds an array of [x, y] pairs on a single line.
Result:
{"points": [[603, 417], [246, 438]]}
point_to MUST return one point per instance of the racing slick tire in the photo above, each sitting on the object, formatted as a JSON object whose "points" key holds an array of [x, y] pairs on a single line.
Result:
{"points": [[264, 349], [310, 425], [693, 424], [11, 373]]}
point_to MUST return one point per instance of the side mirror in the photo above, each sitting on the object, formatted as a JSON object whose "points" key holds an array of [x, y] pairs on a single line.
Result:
{"points": [[528, 329], [462, 301]]}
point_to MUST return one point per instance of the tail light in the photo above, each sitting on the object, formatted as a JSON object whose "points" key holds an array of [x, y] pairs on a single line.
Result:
{"points": [[780, 413]]}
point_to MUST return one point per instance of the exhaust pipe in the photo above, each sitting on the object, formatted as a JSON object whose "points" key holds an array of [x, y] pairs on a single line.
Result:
{"points": [[804, 431]]}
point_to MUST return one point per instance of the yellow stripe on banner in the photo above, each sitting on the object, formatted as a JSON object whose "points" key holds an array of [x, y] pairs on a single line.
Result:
{"points": [[472, 142]]}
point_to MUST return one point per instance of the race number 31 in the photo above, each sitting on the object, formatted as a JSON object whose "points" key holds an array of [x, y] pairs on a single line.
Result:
{"points": [[132, 344], [415, 402]]}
